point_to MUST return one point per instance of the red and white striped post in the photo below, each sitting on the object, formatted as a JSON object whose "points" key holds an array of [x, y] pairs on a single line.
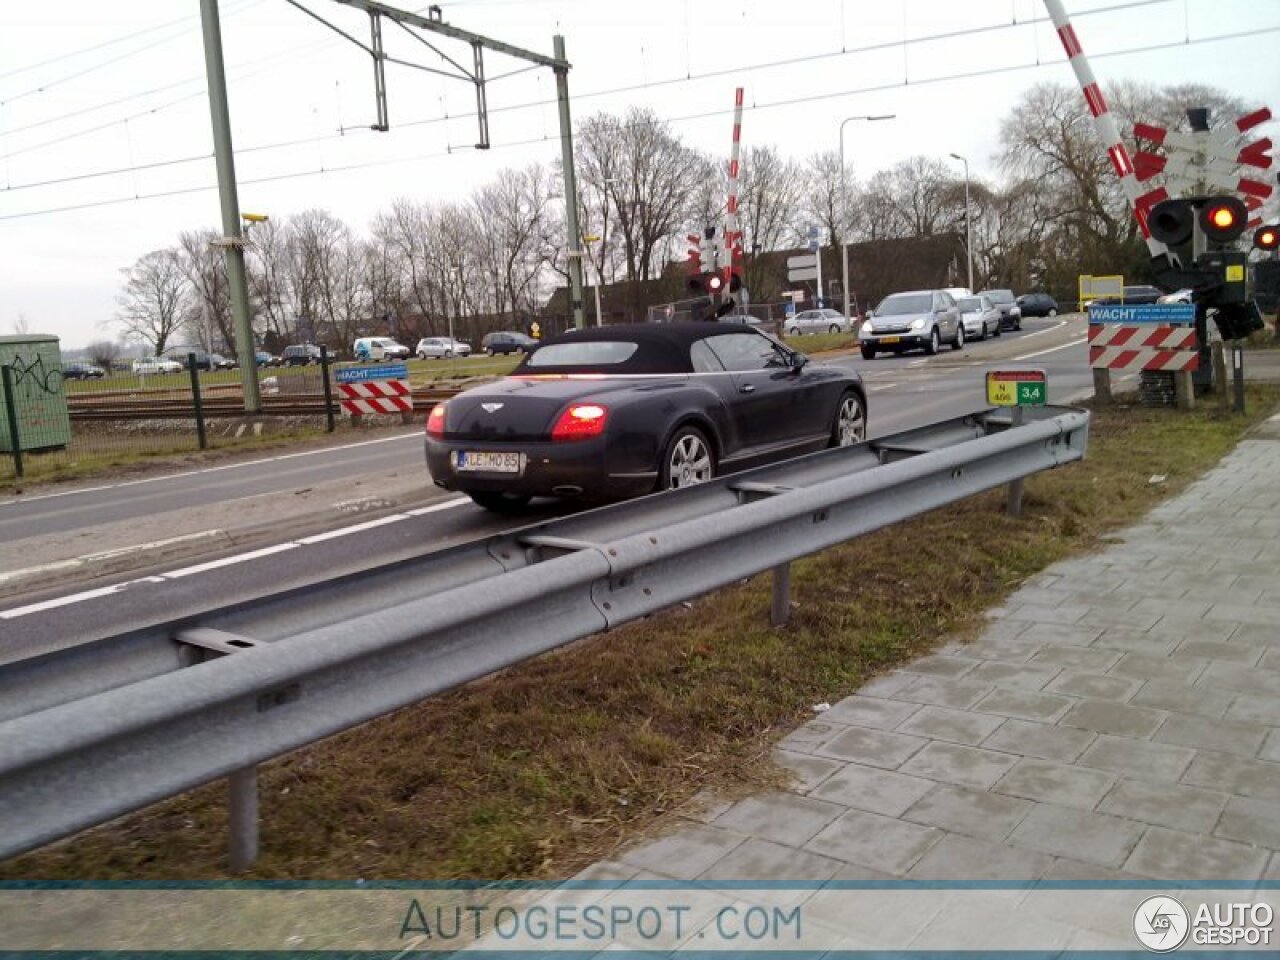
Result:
{"points": [[732, 236], [1108, 132]]}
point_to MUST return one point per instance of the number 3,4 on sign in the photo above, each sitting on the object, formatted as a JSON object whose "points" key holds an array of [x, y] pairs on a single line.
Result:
{"points": [[1017, 388]]}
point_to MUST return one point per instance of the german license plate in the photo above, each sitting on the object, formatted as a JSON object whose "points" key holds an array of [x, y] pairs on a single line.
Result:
{"points": [[890, 339], [487, 461]]}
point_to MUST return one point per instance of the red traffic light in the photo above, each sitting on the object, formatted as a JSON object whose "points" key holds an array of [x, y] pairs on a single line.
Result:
{"points": [[1223, 219], [1267, 237], [715, 283]]}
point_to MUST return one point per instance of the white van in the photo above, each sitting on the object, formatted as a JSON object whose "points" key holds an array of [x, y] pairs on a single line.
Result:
{"points": [[378, 348]]}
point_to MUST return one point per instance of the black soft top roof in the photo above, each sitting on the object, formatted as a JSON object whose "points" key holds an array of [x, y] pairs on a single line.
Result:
{"points": [[661, 347]]}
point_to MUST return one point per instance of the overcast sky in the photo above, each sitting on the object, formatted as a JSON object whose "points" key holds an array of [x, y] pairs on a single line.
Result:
{"points": [[88, 87]]}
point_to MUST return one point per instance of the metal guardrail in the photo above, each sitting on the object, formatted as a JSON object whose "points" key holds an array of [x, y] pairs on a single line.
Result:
{"points": [[99, 730]]}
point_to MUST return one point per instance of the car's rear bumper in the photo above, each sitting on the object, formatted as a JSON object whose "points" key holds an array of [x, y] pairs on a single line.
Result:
{"points": [[577, 468]]}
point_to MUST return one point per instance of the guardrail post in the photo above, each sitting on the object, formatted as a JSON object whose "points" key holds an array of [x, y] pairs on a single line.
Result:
{"points": [[328, 390], [780, 609], [196, 401], [242, 798], [11, 409], [1013, 505]]}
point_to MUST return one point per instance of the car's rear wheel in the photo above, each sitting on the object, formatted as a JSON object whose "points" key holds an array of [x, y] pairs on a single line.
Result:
{"points": [[508, 503], [793, 332], [982, 330], [868, 353], [935, 342], [687, 460], [850, 425], [834, 328], [958, 342], [448, 355]]}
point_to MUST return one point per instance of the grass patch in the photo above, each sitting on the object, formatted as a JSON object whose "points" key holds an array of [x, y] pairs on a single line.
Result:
{"points": [[549, 766], [820, 342]]}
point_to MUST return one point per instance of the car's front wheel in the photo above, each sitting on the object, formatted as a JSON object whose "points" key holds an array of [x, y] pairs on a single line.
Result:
{"points": [[687, 460], [935, 342], [1053, 312], [489, 351], [850, 424], [834, 328], [508, 503], [868, 353], [793, 332]]}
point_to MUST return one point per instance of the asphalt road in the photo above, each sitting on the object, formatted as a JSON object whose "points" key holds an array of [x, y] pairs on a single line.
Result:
{"points": [[903, 392]]}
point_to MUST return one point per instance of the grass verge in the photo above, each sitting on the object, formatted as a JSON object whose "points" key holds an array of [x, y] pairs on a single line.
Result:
{"points": [[542, 769]]}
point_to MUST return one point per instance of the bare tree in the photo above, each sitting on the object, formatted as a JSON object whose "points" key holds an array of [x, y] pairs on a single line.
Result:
{"points": [[151, 306], [209, 310], [268, 266], [104, 353]]}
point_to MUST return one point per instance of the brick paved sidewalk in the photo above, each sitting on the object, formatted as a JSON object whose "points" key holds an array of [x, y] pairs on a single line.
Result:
{"points": [[1118, 718]]}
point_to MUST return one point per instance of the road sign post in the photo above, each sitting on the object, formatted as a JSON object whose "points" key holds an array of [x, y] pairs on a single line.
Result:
{"points": [[1017, 389]]}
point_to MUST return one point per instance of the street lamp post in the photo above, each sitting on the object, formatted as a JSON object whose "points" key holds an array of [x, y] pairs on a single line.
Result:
{"points": [[968, 218], [844, 202]]}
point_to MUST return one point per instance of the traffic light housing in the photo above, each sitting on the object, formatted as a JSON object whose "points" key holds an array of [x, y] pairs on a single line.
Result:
{"points": [[1267, 237], [1171, 222], [1223, 219]]}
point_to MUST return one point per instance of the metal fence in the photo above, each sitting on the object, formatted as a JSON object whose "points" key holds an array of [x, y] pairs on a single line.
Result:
{"points": [[57, 420]]}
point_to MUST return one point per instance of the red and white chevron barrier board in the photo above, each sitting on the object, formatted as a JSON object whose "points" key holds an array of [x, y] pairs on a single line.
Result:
{"points": [[1119, 346], [376, 396]]}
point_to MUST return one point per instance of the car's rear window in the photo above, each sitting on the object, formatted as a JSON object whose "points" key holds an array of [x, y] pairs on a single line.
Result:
{"points": [[588, 353], [901, 303]]}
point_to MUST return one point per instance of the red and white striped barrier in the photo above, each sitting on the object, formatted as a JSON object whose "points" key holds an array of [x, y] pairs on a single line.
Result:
{"points": [[732, 248], [1108, 132], [1117, 346], [375, 396]]}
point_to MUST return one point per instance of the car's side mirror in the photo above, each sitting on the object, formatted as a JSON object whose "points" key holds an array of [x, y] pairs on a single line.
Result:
{"points": [[798, 360]]}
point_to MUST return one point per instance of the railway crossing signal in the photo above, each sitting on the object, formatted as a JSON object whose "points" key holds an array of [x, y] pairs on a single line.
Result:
{"points": [[1267, 237]]}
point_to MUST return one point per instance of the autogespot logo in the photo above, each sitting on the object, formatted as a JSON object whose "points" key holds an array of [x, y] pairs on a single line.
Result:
{"points": [[1161, 924]]}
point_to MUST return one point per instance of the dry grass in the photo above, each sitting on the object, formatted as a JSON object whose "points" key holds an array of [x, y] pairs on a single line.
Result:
{"points": [[541, 770]]}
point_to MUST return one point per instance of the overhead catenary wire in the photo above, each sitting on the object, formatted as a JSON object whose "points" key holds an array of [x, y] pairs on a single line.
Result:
{"points": [[614, 91], [719, 112]]}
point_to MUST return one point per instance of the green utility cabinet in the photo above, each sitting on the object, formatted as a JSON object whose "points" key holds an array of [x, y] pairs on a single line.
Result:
{"points": [[35, 374]]}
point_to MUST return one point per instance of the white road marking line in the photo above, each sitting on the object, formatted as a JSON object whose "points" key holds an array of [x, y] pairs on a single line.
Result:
{"points": [[216, 564], [228, 561], [357, 528], [1041, 353], [881, 386], [437, 507], [228, 466]]}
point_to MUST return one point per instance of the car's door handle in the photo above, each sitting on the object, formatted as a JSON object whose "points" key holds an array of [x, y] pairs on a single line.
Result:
{"points": [[747, 388]]}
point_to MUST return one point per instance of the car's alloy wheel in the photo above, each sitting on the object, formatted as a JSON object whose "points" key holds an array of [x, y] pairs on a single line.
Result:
{"points": [[448, 355], [687, 460], [1052, 312], [958, 342], [489, 351], [851, 422], [793, 332], [834, 328], [935, 342]]}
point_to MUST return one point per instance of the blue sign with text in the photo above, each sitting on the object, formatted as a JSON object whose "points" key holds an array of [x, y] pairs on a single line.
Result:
{"points": [[1171, 313], [385, 371]]}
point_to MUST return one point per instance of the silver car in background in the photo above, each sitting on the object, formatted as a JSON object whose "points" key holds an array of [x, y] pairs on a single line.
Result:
{"points": [[912, 320], [825, 320], [1007, 304], [980, 317], [442, 348]]}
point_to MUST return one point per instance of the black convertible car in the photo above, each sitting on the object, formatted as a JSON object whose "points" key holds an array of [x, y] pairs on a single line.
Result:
{"points": [[618, 411]]}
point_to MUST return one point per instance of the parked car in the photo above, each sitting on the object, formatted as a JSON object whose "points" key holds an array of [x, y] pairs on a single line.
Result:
{"points": [[1007, 304], [264, 358], [367, 349], [204, 359], [731, 397], [433, 348], [1138, 293], [299, 355], [507, 341], [981, 317], [1185, 295], [1037, 305], [79, 370], [911, 320], [155, 365], [825, 320]]}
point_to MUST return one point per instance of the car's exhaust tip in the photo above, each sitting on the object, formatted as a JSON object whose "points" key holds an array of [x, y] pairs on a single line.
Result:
{"points": [[567, 490]]}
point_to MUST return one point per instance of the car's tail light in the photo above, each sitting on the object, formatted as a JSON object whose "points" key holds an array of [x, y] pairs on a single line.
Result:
{"points": [[580, 421], [435, 421]]}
